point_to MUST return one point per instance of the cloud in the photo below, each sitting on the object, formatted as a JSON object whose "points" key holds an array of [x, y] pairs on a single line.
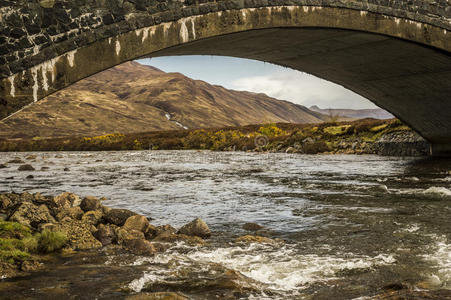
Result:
{"points": [[303, 89]]}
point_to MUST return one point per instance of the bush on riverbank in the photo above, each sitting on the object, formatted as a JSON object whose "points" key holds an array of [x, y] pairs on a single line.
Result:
{"points": [[345, 137]]}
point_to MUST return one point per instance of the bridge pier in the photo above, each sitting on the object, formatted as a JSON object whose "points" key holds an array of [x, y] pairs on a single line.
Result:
{"points": [[441, 150]]}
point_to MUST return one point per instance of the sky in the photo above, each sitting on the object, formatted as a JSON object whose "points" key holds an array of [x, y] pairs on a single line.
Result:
{"points": [[260, 77]]}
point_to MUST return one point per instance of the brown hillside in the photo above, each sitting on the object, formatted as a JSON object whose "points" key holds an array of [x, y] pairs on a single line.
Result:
{"points": [[134, 98]]}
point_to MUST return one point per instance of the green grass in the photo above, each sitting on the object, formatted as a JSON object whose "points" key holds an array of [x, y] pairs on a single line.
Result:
{"points": [[49, 241], [13, 229], [15, 255], [337, 130], [379, 128], [18, 244]]}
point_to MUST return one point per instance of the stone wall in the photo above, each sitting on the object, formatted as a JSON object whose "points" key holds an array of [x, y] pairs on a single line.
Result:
{"points": [[33, 32]]}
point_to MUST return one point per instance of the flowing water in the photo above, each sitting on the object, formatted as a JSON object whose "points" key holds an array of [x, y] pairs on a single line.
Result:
{"points": [[351, 224]]}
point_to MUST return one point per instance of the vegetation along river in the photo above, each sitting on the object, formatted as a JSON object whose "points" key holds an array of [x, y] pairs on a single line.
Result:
{"points": [[344, 226]]}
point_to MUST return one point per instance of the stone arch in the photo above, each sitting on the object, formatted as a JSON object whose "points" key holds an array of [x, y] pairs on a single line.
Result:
{"points": [[201, 33]]}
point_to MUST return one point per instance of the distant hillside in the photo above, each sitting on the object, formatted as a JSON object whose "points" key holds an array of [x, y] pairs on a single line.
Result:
{"points": [[135, 98], [376, 113]]}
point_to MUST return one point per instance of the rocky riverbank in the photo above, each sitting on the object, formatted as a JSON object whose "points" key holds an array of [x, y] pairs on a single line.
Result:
{"points": [[76, 224], [368, 136]]}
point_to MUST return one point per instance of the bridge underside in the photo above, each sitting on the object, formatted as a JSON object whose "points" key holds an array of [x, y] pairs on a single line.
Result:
{"points": [[409, 80]]}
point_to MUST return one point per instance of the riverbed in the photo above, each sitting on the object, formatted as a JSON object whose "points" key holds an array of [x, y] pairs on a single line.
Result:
{"points": [[351, 224]]}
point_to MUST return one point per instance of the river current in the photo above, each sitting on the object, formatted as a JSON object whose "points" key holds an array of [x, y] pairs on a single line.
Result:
{"points": [[350, 224]]}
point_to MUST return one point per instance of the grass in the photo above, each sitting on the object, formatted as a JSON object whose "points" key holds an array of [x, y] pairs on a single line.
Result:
{"points": [[13, 229], [17, 243], [50, 241], [378, 128], [337, 130]]}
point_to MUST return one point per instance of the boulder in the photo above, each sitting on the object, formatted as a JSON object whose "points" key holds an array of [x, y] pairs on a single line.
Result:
{"points": [[140, 246], [25, 167], [290, 150], [124, 235], [214, 277], [31, 265], [90, 203], [105, 234], [71, 212], [40, 199], [164, 228], [118, 216], [92, 217], [31, 215], [25, 197], [79, 234], [150, 232], [197, 227], [65, 200], [136, 222], [5, 203], [16, 161], [252, 227]]}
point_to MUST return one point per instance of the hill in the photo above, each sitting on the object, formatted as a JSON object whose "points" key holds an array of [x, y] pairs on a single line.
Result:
{"points": [[136, 98], [375, 113]]}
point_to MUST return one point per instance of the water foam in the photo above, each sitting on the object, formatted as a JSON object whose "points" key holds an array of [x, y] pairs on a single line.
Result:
{"points": [[441, 257], [282, 269], [438, 191]]}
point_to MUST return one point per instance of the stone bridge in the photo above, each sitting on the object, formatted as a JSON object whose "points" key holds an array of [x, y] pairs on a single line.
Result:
{"points": [[396, 53]]}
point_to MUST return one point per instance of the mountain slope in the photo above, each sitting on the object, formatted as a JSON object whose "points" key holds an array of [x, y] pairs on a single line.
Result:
{"points": [[376, 113], [134, 98]]}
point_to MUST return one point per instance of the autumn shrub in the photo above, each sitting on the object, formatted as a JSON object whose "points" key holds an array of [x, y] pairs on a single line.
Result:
{"points": [[271, 130]]}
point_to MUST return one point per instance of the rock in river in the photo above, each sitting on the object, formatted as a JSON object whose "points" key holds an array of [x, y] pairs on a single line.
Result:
{"points": [[252, 227], [118, 216], [136, 222], [248, 239], [90, 203], [106, 234], [196, 227], [25, 167]]}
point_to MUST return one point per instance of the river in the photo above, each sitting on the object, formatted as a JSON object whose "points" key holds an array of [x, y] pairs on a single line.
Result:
{"points": [[351, 224]]}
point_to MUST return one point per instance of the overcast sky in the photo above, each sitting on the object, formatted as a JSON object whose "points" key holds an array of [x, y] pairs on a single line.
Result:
{"points": [[255, 76]]}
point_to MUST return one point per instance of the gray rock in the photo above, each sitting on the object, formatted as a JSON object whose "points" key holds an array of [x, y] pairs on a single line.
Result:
{"points": [[252, 226], [118, 216], [25, 167], [136, 222], [72, 212], [90, 203], [105, 234], [140, 247], [197, 227], [31, 215], [93, 217]]}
